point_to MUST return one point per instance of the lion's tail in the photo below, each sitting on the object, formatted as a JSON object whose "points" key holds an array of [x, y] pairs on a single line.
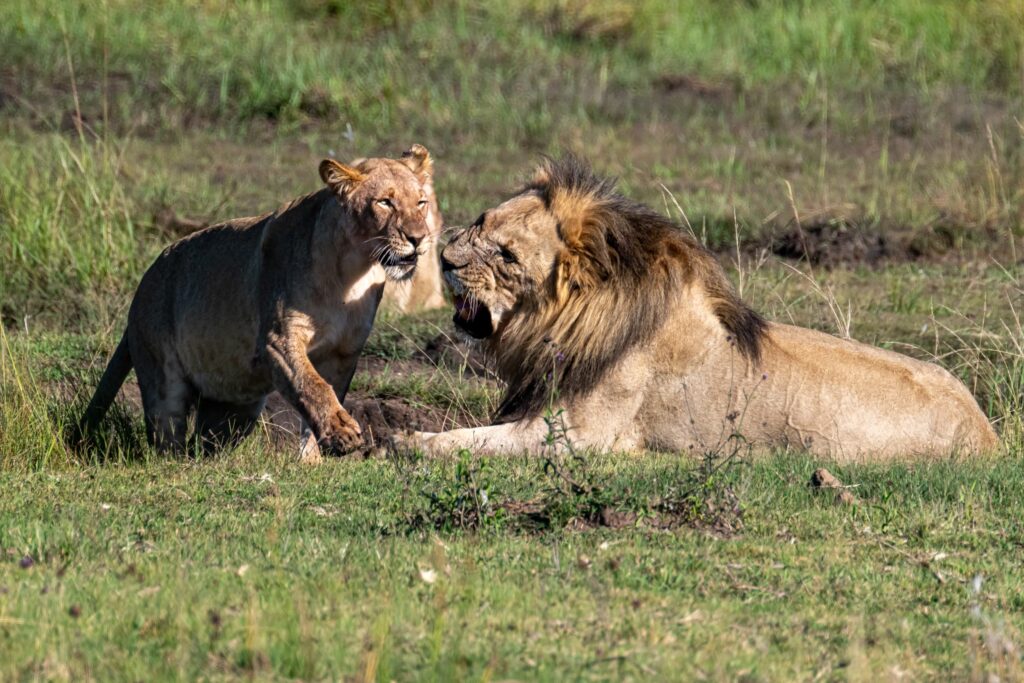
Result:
{"points": [[113, 377]]}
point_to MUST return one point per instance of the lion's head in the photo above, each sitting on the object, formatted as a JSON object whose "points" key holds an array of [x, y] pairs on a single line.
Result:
{"points": [[390, 205], [565, 277]]}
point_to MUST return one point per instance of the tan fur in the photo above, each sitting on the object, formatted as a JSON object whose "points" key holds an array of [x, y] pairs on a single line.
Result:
{"points": [[281, 301], [594, 304], [423, 291]]}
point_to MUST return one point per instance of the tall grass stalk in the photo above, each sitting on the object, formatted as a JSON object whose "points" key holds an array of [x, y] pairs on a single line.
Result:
{"points": [[67, 231]]}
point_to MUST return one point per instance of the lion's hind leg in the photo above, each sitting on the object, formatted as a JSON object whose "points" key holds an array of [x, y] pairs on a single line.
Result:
{"points": [[167, 398], [220, 424]]}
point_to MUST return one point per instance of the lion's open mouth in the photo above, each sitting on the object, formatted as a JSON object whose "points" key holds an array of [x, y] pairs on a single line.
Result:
{"points": [[472, 317], [398, 267]]}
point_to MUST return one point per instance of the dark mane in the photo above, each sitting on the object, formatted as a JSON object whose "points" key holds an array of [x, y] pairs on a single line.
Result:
{"points": [[623, 263]]}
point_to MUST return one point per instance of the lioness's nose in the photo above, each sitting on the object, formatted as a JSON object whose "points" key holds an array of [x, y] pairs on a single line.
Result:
{"points": [[446, 265], [414, 240]]}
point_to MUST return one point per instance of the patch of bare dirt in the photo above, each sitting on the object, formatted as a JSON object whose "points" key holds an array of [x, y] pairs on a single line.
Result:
{"points": [[695, 86], [843, 239], [830, 242], [379, 418]]}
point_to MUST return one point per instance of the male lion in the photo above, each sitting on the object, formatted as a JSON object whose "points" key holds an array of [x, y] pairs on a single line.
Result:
{"points": [[282, 301], [588, 301]]}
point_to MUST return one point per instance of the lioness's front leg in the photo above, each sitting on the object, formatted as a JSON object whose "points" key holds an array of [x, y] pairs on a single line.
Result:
{"points": [[300, 384]]}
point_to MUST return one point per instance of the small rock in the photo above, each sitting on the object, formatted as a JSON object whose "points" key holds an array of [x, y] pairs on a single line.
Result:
{"points": [[74, 611], [26, 562]]}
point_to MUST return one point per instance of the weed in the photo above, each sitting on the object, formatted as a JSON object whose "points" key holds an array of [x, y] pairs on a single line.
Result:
{"points": [[466, 500]]}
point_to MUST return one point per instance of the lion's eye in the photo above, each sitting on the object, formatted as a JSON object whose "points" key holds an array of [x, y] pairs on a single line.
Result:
{"points": [[507, 255], [421, 203], [386, 203]]}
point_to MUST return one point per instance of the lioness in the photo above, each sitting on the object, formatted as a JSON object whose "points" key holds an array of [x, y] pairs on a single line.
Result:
{"points": [[281, 301], [424, 290], [588, 301]]}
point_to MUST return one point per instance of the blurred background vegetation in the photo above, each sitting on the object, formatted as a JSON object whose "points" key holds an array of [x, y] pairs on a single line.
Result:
{"points": [[896, 124]]}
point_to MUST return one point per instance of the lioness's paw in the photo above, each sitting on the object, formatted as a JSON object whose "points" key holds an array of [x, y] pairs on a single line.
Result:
{"points": [[342, 434]]}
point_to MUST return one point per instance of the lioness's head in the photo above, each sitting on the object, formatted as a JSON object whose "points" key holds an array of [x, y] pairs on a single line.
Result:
{"points": [[390, 203], [565, 277]]}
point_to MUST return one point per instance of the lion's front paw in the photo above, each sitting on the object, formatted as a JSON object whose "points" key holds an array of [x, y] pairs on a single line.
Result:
{"points": [[409, 441], [342, 434]]}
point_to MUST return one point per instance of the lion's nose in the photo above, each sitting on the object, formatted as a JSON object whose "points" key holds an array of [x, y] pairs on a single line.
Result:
{"points": [[446, 265], [414, 240]]}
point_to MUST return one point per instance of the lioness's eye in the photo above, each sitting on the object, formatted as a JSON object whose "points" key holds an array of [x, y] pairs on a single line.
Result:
{"points": [[422, 203], [507, 255], [386, 203]]}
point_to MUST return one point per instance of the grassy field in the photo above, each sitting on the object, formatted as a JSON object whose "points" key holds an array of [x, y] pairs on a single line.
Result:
{"points": [[888, 136]]}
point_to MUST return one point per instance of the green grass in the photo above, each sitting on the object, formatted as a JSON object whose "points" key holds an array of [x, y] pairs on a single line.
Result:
{"points": [[248, 565], [895, 120], [381, 64]]}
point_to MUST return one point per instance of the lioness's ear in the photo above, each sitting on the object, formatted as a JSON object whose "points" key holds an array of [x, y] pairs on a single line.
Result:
{"points": [[339, 177], [417, 158]]}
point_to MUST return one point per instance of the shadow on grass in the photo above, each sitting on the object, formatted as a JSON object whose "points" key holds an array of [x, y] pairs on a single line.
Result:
{"points": [[118, 439]]}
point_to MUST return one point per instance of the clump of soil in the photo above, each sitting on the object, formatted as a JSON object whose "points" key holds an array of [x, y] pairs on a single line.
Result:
{"points": [[317, 102], [834, 242], [690, 84], [379, 418]]}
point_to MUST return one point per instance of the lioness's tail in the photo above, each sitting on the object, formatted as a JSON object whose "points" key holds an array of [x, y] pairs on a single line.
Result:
{"points": [[113, 377]]}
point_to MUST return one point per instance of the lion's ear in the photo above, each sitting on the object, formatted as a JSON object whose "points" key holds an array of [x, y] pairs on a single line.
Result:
{"points": [[586, 259], [541, 175], [339, 177], [417, 158]]}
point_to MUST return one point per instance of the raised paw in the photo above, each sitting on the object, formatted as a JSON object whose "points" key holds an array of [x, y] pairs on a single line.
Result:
{"points": [[341, 435]]}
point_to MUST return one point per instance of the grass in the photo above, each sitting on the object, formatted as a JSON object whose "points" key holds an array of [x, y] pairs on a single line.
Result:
{"points": [[892, 119], [836, 127], [250, 565], [241, 61]]}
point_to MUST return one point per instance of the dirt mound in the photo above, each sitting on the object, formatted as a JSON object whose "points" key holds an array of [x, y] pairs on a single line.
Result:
{"points": [[379, 418], [829, 243], [695, 86]]}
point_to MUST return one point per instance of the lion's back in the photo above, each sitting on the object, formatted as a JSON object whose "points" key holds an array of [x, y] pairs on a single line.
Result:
{"points": [[197, 302], [866, 390]]}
